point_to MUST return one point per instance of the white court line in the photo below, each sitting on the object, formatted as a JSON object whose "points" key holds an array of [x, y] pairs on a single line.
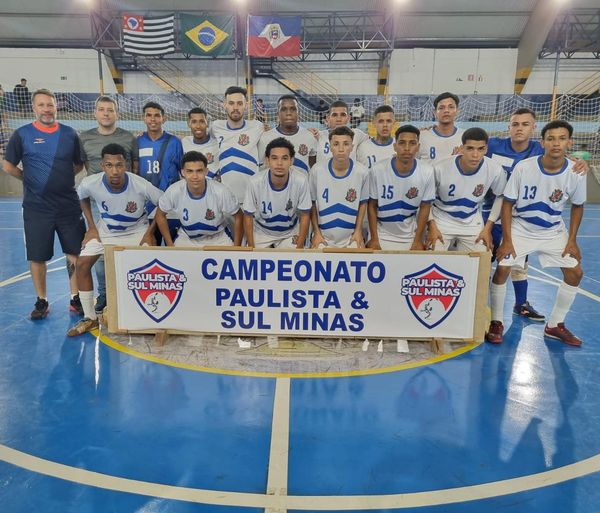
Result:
{"points": [[302, 502], [277, 480], [24, 276], [557, 281]]}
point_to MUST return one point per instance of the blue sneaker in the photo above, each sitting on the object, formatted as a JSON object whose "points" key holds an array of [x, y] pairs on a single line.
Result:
{"points": [[100, 304], [527, 311]]}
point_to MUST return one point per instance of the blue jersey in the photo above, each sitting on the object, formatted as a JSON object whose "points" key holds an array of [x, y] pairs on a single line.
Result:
{"points": [[164, 173], [501, 151], [48, 156]]}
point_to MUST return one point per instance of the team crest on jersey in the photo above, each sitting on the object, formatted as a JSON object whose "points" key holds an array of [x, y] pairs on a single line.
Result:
{"points": [[243, 140], [210, 157], [556, 196], [210, 215], [157, 288], [289, 205], [412, 193], [432, 294], [478, 191], [131, 207], [303, 150], [351, 195]]}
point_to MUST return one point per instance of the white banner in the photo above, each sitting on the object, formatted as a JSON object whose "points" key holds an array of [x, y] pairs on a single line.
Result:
{"points": [[297, 293]]}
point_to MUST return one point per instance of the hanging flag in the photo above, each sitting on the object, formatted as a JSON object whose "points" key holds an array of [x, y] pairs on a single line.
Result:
{"points": [[206, 35], [148, 36], [274, 36]]}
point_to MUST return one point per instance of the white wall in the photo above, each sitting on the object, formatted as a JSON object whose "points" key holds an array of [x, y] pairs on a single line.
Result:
{"points": [[465, 71], [64, 70], [412, 71]]}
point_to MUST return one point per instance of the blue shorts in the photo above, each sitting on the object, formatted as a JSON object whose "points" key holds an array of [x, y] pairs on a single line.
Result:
{"points": [[40, 228]]}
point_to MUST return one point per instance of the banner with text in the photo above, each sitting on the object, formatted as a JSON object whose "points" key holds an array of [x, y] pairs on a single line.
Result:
{"points": [[297, 293]]}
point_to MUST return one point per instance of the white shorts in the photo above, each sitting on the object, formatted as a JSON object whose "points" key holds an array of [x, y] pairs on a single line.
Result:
{"points": [[263, 239], [96, 248], [218, 239], [549, 251], [344, 244], [395, 245], [460, 243]]}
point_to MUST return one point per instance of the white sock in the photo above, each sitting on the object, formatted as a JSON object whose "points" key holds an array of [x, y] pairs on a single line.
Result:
{"points": [[87, 302], [497, 296], [562, 305]]}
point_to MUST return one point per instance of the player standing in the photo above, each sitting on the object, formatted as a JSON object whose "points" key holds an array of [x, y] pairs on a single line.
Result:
{"points": [[444, 138], [535, 197], [276, 200], [201, 140], [339, 189], [401, 191], [382, 146], [336, 117], [305, 144], [238, 142], [160, 156]]}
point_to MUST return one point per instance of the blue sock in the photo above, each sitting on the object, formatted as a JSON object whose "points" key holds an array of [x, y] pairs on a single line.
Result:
{"points": [[520, 291]]}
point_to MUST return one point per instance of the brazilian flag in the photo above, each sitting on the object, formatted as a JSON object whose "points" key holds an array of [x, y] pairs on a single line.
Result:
{"points": [[206, 35]]}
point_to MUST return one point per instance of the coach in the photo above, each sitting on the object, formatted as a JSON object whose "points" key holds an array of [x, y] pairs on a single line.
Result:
{"points": [[50, 157]]}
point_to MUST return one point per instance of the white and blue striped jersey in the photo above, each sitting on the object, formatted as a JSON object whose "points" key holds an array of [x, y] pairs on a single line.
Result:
{"points": [[338, 199], [276, 211], [122, 212], [324, 152], [200, 216], [370, 152], [539, 197], [304, 143], [399, 197], [435, 146], [238, 153], [210, 149], [459, 195]]}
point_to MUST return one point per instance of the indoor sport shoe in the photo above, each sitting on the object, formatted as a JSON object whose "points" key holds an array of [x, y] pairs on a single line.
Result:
{"points": [[83, 326], [560, 332], [40, 310], [75, 305], [100, 304], [494, 333], [527, 311]]}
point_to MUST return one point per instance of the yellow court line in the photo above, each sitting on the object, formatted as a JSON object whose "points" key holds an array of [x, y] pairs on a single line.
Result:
{"points": [[255, 374], [302, 502]]}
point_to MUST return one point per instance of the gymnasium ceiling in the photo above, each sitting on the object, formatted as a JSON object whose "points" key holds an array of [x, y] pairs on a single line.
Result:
{"points": [[459, 23]]}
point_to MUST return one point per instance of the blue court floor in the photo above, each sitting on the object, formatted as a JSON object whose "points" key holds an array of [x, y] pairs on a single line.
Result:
{"points": [[85, 428]]}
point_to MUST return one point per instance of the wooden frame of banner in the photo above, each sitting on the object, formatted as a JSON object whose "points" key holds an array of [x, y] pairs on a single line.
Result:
{"points": [[480, 320]]}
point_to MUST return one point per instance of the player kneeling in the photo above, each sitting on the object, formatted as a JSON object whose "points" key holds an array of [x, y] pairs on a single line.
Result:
{"points": [[201, 205], [276, 199], [399, 187], [339, 189], [120, 197], [535, 196], [461, 185]]}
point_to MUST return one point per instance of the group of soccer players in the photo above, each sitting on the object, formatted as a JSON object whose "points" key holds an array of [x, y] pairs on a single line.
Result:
{"points": [[235, 182]]}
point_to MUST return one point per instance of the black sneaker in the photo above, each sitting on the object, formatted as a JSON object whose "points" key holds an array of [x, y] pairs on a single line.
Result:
{"points": [[100, 304], [527, 311], [40, 310], [75, 305]]}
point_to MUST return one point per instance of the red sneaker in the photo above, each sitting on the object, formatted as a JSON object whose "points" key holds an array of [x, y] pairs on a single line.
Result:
{"points": [[494, 333], [560, 332]]}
